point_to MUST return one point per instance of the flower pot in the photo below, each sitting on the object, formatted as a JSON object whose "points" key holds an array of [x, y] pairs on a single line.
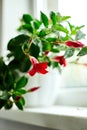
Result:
{"points": [[47, 93]]}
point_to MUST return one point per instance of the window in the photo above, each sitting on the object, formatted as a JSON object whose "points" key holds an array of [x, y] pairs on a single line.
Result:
{"points": [[10, 13]]}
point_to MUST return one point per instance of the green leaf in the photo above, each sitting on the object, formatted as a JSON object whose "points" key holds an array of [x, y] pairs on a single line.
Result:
{"points": [[44, 19], [83, 51], [64, 39], [20, 92], [69, 52], [37, 24], [79, 35], [27, 18], [61, 18], [21, 83], [55, 64], [17, 41], [34, 50], [53, 17], [74, 29], [59, 27], [55, 50], [46, 46], [8, 105], [64, 18], [27, 27], [42, 33], [20, 103], [70, 26], [79, 27], [24, 65], [51, 39]]}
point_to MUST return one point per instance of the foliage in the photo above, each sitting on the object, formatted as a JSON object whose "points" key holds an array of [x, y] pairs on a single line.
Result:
{"points": [[42, 43], [41, 36]]}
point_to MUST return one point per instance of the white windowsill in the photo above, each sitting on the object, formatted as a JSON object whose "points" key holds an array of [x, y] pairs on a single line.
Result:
{"points": [[56, 117]]}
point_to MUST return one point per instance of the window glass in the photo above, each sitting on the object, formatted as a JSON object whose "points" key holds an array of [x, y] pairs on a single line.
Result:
{"points": [[76, 9]]}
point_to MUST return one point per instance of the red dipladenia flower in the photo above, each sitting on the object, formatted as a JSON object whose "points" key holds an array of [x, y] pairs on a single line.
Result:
{"points": [[60, 59], [37, 67], [33, 89], [74, 44]]}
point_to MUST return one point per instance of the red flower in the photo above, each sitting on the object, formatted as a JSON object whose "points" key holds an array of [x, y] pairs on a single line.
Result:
{"points": [[33, 89], [18, 98], [60, 59], [46, 52], [74, 44], [37, 67]]}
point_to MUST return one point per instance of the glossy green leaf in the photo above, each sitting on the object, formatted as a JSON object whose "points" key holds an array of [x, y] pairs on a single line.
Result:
{"points": [[44, 19], [20, 92], [46, 46], [17, 41], [27, 18], [20, 104], [53, 17], [42, 33], [59, 27], [55, 50], [25, 65], [34, 50], [51, 39], [36, 24], [21, 83], [27, 27]]}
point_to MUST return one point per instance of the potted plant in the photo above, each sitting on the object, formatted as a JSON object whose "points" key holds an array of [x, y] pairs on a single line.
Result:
{"points": [[45, 43]]}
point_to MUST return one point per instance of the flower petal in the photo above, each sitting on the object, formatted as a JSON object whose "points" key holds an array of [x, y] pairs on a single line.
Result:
{"points": [[33, 89], [32, 71], [60, 59], [74, 44], [43, 65], [33, 60], [41, 68]]}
